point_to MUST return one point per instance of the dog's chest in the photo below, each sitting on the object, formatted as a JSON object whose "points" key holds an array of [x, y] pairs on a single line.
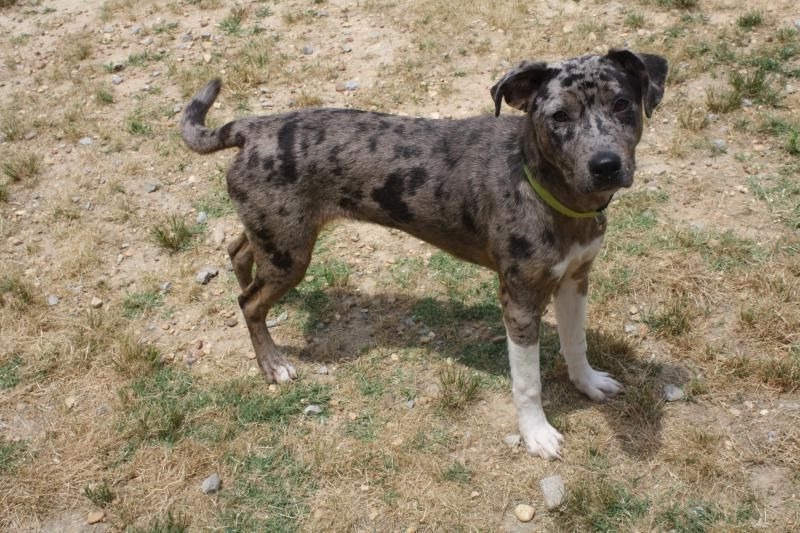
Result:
{"points": [[578, 255]]}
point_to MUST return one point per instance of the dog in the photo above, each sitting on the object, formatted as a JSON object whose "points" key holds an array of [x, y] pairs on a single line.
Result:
{"points": [[522, 195]]}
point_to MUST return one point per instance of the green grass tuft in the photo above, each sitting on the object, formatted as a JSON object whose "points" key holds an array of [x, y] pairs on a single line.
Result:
{"points": [[21, 166], [173, 234], [750, 20], [457, 387]]}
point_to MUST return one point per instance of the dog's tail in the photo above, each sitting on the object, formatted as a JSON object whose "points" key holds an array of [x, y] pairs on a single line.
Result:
{"points": [[193, 124]]}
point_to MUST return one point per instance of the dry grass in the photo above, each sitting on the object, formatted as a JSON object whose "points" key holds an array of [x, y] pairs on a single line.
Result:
{"points": [[128, 406]]}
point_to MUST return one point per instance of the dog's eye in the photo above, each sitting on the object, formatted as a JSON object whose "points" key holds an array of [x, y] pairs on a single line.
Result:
{"points": [[561, 116], [621, 105]]}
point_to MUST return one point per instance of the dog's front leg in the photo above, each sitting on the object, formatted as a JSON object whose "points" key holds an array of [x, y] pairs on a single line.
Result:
{"points": [[522, 329], [570, 305]]}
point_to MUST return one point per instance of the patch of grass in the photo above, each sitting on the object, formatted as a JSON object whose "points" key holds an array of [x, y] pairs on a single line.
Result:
{"points": [[168, 524], [602, 505], [405, 271], [21, 166], [690, 517], [99, 494], [269, 493], [165, 27], [780, 128], [10, 455], [173, 234], [362, 428], [256, 63], [216, 203], [307, 100], [692, 118], [673, 318], [678, 4], [751, 19], [457, 473], [3, 192], [15, 293], [756, 86], [137, 303], [457, 387], [103, 96], [7, 3], [9, 373], [722, 100], [79, 48], [232, 24], [259, 406], [634, 20], [10, 125], [144, 59], [135, 358], [136, 125]]}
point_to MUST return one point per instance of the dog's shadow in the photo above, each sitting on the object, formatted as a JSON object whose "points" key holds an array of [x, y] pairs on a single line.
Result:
{"points": [[341, 325]]}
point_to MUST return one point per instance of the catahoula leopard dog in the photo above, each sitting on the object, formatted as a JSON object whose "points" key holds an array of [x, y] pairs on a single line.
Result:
{"points": [[522, 195]]}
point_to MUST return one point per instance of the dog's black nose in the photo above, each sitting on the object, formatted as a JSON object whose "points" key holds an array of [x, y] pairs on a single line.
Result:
{"points": [[606, 165]]}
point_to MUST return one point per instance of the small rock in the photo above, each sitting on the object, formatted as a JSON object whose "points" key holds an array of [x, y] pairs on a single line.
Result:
{"points": [[95, 517], [308, 50], [346, 48], [351, 85], [231, 322], [524, 513], [219, 235], [136, 30], [512, 440], [151, 187], [207, 58], [30, 135], [211, 484], [410, 404], [772, 436], [323, 370], [117, 66], [278, 321], [630, 329], [96, 302], [746, 102], [166, 286], [672, 393], [186, 37], [719, 145], [70, 402], [202, 217], [633, 310], [147, 41], [797, 24], [177, 108], [553, 491], [205, 275], [108, 29], [312, 410], [86, 141], [52, 300], [116, 79]]}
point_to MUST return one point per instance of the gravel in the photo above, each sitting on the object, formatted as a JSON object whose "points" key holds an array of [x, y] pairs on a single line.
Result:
{"points": [[205, 275]]}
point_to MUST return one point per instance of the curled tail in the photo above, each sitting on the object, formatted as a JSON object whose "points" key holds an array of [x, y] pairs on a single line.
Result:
{"points": [[193, 124]]}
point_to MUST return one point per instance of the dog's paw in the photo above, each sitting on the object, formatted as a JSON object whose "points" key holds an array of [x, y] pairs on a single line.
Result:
{"points": [[278, 371], [543, 440], [597, 385]]}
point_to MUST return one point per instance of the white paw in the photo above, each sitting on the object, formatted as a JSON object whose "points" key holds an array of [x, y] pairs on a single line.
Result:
{"points": [[543, 440], [599, 386]]}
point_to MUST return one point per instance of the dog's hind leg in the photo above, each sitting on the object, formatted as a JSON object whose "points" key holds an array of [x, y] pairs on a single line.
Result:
{"points": [[277, 271], [241, 254]]}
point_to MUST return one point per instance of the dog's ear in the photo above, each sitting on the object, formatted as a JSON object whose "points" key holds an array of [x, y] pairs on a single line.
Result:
{"points": [[519, 85], [650, 69]]}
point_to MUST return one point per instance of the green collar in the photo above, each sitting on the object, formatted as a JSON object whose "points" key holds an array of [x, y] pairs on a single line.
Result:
{"points": [[551, 200]]}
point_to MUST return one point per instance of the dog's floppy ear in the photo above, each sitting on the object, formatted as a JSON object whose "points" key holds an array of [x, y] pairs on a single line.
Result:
{"points": [[650, 69], [519, 85]]}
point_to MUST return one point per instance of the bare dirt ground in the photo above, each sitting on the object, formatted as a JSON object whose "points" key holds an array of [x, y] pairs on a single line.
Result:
{"points": [[124, 383]]}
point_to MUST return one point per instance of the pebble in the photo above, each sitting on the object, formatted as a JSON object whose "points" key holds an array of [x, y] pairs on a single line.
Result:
{"points": [[202, 217], [147, 41], [746, 102], [512, 440], [719, 145], [108, 29], [219, 235], [410, 404], [323, 370], [86, 141], [312, 410], [116, 79], [96, 302], [797, 24], [278, 321], [630, 329], [308, 50], [207, 58], [211, 484], [166, 286], [231, 322], [553, 491], [70, 402], [633, 310], [346, 48], [672, 393], [205, 275], [52, 300], [95, 517], [524, 513], [136, 30], [772, 436], [351, 85], [186, 37], [151, 187]]}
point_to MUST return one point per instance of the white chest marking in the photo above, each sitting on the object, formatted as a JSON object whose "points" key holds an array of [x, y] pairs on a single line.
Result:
{"points": [[578, 254]]}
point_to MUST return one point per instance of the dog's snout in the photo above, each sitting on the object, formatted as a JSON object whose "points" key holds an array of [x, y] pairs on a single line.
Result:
{"points": [[605, 165]]}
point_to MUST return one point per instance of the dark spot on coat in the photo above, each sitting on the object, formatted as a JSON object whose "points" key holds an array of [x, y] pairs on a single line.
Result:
{"points": [[238, 139], [418, 176], [373, 144], [467, 221], [224, 133], [390, 198], [238, 194], [548, 238], [569, 79], [252, 159], [282, 211], [286, 139], [399, 129], [268, 163], [519, 247], [320, 136], [406, 151], [282, 260]]}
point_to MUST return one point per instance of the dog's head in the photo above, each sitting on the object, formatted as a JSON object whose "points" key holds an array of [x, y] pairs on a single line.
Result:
{"points": [[585, 114]]}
